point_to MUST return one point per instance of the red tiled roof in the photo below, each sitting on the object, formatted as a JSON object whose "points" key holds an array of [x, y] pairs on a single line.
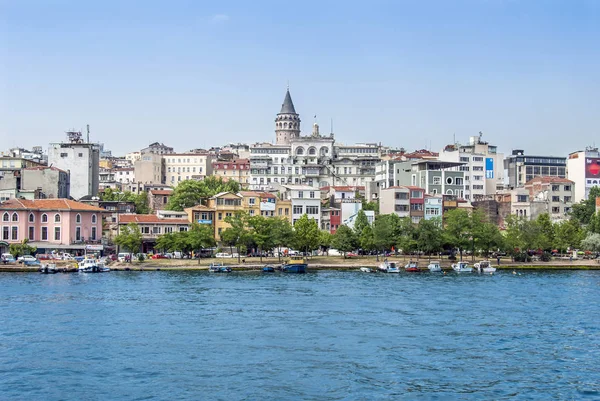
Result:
{"points": [[343, 188], [148, 218], [48, 204], [549, 180], [45, 168], [406, 187], [161, 192]]}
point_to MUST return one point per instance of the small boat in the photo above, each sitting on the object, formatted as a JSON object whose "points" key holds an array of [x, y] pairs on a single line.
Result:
{"points": [[412, 266], [462, 267], [296, 264], [92, 266], [49, 268], [389, 267], [484, 267], [218, 268], [366, 270], [434, 266], [268, 269]]}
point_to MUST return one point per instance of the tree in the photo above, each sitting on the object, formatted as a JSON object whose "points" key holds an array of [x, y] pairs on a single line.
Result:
{"points": [[458, 229], [189, 193], [361, 222], [568, 235], [166, 242], [139, 200], [594, 224], [485, 235], [429, 236], [200, 236], [366, 239], [306, 237], [282, 234], [21, 249], [384, 229], [546, 231], [261, 233], [237, 234], [344, 239], [584, 210], [130, 238], [325, 240], [405, 234], [591, 242]]}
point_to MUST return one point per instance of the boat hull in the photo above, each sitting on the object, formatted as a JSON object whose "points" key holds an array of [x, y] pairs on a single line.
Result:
{"points": [[294, 268]]}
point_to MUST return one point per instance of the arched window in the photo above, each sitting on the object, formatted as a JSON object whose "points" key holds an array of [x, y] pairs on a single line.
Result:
{"points": [[449, 192], [15, 217], [5, 217], [78, 218], [31, 218], [44, 218], [57, 218], [284, 125], [312, 151], [323, 151], [300, 151], [93, 219]]}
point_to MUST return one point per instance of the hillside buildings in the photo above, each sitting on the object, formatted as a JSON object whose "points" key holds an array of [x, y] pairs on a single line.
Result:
{"points": [[522, 168]]}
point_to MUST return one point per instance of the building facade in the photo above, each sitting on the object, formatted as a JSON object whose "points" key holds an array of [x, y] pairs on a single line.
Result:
{"points": [[583, 169], [187, 166], [404, 201], [522, 168], [236, 170]]}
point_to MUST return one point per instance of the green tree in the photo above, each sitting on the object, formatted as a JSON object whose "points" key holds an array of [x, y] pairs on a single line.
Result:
{"points": [[237, 234], [189, 193], [139, 200], [130, 238], [429, 236], [325, 240], [568, 235], [584, 210], [366, 239], [384, 231], [405, 233], [344, 239], [594, 224], [361, 222], [591, 242], [22, 249], [166, 242], [306, 237], [546, 231], [261, 232], [200, 236], [485, 235], [458, 229], [282, 234]]}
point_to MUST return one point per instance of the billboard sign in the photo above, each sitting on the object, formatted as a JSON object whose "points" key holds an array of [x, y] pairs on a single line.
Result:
{"points": [[489, 167], [94, 247], [202, 221], [592, 167]]}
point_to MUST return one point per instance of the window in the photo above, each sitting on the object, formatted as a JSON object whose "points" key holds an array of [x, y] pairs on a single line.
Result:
{"points": [[93, 219], [555, 209], [31, 233], [31, 218], [312, 209], [183, 229], [449, 180], [416, 206], [287, 211], [64, 155], [464, 168], [459, 181], [5, 217], [279, 211], [416, 194], [93, 238], [155, 230], [555, 188], [437, 180], [297, 209], [15, 217], [220, 216], [252, 201], [78, 234], [5, 233], [401, 195], [80, 154], [567, 199], [300, 194], [477, 168], [464, 159], [145, 230], [567, 189], [556, 199], [44, 233], [311, 194], [78, 219], [14, 233], [251, 212], [478, 177], [228, 214], [522, 198], [168, 230], [56, 233], [57, 218], [401, 208]]}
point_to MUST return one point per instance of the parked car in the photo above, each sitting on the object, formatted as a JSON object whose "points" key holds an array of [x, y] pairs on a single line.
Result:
{"points": [[44, 256], [121, 257], [159, 256], [223, 255], [8, 258], [351, 255], [26, 258]]}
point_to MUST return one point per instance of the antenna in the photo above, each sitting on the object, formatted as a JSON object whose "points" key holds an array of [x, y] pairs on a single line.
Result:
{"points": [[88, 133], [332, 126]]}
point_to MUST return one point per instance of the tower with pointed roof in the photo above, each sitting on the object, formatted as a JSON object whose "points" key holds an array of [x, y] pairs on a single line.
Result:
{"points": [[287, 123]]}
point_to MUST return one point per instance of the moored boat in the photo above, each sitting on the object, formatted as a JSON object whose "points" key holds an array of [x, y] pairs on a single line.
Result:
{"points": [[89, 265], [366, 270], [49, 268], [462, 267], [484, 267], [434, 266], [412, 266], [389, 267], [268, 269], [219, 268], [296, 264]]}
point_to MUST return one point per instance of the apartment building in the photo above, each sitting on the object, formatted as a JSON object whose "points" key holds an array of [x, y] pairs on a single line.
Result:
{"points": [[405, 201], [187, 166], [522, 168], [556, 194], [304, 199], [583, 168], [154, 225], [236, 170]]}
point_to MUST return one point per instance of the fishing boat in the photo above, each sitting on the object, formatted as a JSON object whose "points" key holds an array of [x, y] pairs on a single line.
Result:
{"points": [[462, 267], [219, 268], [296, 264], [434, 266], [366, 270], [49, 268], [412, 266], [484, 267], [90, 265], [268, 269], [389, 267]]}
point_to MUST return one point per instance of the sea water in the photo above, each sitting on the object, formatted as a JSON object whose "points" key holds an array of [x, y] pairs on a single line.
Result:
{"points": [[320, 336]]}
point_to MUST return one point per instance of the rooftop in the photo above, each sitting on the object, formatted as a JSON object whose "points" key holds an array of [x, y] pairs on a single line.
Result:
{"points": [[149, 218], [48, 204]]}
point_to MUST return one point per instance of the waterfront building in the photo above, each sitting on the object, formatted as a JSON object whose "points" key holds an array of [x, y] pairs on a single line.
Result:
{"points": [[433, 206], [154, 225], [522, 168], [236, 170], [405, 201], [304, 199], [482, 166], [583, 168], [51, 224], [434, 176], [342, 206], [10, 177], [554, 194], [224, 204], [80, 160]]}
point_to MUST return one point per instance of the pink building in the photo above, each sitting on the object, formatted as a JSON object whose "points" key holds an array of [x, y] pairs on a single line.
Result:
{"points": [[51, 224]]}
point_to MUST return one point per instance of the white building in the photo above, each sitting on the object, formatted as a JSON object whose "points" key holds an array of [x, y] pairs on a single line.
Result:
{"points": [[305, 200], [483, 166], [583, 168], [82, 162], [187, 166]]}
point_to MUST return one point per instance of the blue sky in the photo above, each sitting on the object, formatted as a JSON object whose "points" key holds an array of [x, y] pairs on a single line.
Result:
{"points": [[199, 74]]}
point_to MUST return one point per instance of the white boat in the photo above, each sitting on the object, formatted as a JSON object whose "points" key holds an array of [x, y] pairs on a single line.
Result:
{"points": [[218, 268], [484, 267], [462, 267], [49, 268], [92, 266], [412, 266], [366, 270], [389, 267], [434, 266]]}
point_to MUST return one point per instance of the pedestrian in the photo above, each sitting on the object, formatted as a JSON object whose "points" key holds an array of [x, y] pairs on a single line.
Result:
{"points": [[571, 258], [498, 258]]}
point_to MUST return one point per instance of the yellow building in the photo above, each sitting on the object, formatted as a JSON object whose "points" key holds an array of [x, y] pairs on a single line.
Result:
{"points": [[224, 204], [235, 170], [106, 163]]}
